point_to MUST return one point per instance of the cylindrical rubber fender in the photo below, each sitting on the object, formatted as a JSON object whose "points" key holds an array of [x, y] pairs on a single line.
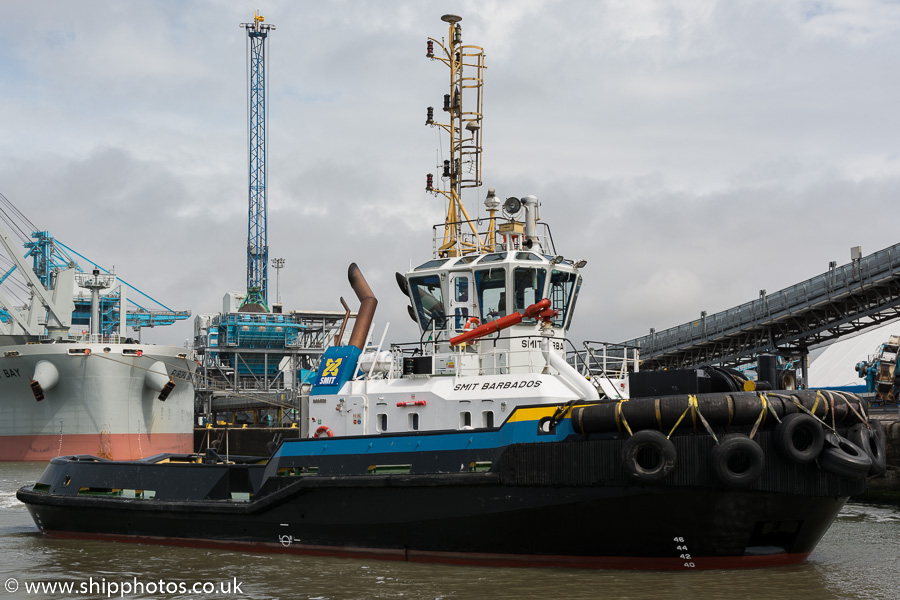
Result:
{"points": [[747, 407], [847, 408], [866, 438], [639, 413], [594, 419], [718, 409], [737, 461], [812, 401], [648, 456], [788, 405], [670, 409], [799, 437], [839, 407], [843, 458], [841, 403], [776, 403]]}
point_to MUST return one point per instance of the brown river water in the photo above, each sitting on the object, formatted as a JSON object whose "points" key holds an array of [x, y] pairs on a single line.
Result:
{"points": [[858, 558]]}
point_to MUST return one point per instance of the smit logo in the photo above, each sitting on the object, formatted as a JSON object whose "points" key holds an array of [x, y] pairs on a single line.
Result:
{"points": [[331, 371], [332, 367]]}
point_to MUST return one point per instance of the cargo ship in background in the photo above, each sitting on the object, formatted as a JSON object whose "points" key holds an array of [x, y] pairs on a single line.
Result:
{"points": [[70, 381]]}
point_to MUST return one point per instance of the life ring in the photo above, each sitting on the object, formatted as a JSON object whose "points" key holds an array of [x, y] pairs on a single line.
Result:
{"points": [[648, 456], [843, 458], [867, 438], [471, 323], [323, 430], [799, 437], [737, 461]]}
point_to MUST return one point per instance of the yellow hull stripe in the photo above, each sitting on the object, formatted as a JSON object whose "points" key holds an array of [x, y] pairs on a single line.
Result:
{"points": [[538, 412]]}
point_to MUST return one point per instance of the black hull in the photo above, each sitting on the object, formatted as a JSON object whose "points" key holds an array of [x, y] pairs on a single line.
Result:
{"points": [[483, 523], [518, 495]]}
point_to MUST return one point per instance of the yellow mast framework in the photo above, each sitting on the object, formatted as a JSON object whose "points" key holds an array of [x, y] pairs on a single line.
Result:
{"points": [[463, 169]]}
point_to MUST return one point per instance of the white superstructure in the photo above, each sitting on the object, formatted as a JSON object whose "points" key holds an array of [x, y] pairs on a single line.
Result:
{"points": [[493, 304], [66, 391], [443, 381]]}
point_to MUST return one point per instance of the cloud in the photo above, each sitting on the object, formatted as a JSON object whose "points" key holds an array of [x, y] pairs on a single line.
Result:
{"points": [[693, 152]]}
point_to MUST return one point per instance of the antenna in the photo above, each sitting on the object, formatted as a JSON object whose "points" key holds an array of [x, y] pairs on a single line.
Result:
{"points": [[463, 169]]}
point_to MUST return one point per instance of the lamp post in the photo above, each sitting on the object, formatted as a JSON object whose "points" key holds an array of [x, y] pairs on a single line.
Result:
{"points": [[278, 264]]}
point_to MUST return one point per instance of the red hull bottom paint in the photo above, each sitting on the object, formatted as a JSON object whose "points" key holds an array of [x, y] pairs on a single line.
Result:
{"points": [[117, 446], [459, 558]]}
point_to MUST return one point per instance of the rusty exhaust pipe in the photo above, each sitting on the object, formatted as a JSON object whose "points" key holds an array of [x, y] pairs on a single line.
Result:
{"points": [[367, 304]]}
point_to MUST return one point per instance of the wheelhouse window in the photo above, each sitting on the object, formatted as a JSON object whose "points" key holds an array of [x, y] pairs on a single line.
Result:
{"points": [[491, 286], [460, 284], [574, 300], [495, 257], [461, 289], [429, 301], [432, 264], [529, 287], [561, 286], [468, 259]]}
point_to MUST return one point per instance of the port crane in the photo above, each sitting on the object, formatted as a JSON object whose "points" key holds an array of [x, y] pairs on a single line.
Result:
{"points": [[51, 301]]}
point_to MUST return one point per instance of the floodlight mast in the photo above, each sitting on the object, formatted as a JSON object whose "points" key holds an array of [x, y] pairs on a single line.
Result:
{"points": [[257, 242]]}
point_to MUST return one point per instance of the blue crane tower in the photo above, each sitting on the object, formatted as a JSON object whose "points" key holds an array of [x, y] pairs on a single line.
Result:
{"points": [[257, 243]]}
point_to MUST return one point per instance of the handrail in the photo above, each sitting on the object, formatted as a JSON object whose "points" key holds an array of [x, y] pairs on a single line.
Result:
{"points": [[470, 241]]}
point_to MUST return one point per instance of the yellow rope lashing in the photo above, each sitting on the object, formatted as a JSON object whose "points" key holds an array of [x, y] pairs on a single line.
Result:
{"points": [[620, 417]]}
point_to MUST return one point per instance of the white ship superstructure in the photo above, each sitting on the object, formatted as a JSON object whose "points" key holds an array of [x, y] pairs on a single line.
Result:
{"points": [[493, 306], [64, 390]]}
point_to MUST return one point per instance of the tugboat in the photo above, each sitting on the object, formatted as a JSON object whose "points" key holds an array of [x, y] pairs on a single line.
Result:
{"points": [[486, 442]]}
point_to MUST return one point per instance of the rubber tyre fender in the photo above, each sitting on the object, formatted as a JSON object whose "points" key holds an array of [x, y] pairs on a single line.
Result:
{"points": [[867, 439], [843, 458], [800, 438], [652, 445], [723, 456]]}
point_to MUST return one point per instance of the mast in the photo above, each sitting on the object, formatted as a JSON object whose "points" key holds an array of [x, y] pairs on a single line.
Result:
{"points": [[257, 244], [463, 168]]}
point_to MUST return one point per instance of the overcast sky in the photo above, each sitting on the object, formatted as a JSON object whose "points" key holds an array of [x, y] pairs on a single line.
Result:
{"points": [[693, 152]]}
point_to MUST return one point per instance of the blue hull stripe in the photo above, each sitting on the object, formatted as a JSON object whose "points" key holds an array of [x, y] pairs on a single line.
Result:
{"points": [[519, 432]]}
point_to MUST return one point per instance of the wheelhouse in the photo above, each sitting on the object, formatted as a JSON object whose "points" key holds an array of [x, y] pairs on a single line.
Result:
{"points": [[451, 295]]}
